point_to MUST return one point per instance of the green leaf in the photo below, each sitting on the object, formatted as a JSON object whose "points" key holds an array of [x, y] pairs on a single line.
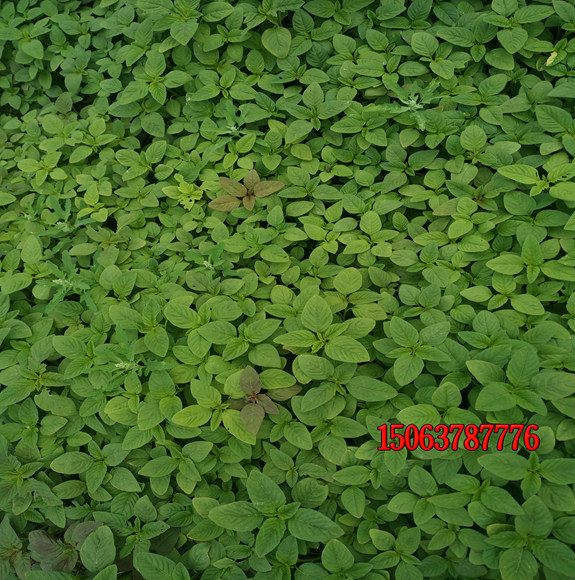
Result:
{"points": [[124, 480], [494, 397], [157, 341], [564, 191], [424, 44], [520, 173], [419, 415], [159, 467], [473, 138], [274, 254], [298, 435], [531, 252], [6, 198], [125, 317], [192, 416], [316, 315], [315, 367], [45, 575], [233, 423], [555, 555], [180, 315], [402, 332], [182, 31], [297, 131], [458, 36], [560, 471], [370, 390], [348, 281], [336, 557], [33, 48], [348, 125], [506, 465], [513, 39], [218, 332], [277, 41], [108, 573], [135, 91], [264, 493], [353, 500], [318, 396], [153, 124], [421, 482], [69, 346], [72, 462], [239, 516], [537, 521], [313, 526], [269, 536], [10, 283], [154, 566], [553, 119], [509, 264], [558, 271], [407, 368], [98, 549], [534, 13], [517, 564], [501, 501], [527, 304], [345, 349]]}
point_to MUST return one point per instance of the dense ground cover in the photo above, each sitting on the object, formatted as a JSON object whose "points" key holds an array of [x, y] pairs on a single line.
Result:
{"points": [[237, 238]]}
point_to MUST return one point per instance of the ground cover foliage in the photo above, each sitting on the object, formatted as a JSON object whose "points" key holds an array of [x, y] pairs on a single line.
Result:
{"points": [[237, 237]]}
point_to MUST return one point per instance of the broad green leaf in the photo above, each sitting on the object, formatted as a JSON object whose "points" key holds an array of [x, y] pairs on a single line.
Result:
{"points": [[555, 555], [424, 44], [509, 264], [98, 549], [264, 493], [342, 348], [240, 516], [473, 138], [402, 332], [192, 416], [527, 304], [513, 39], [316, 315], [520, 173], [407, 368], [269, 536], [506, 465], [558, 271], [517, 564], [336, 557], [348, 281], [315, 367], [72, 462], [297, 131], [277, 41], [501, 501], [313, 526], [153, 566]]}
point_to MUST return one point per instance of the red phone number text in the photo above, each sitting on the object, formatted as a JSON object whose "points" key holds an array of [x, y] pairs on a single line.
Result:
{"points": [[473, 437]]}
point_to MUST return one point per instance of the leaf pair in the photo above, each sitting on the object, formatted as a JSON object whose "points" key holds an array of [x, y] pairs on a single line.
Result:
{"points": [[245, 192]]}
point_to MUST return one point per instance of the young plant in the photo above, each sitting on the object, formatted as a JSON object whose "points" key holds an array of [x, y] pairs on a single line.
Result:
{"points": [[186, 193], [245, 192], [255, 404]]}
